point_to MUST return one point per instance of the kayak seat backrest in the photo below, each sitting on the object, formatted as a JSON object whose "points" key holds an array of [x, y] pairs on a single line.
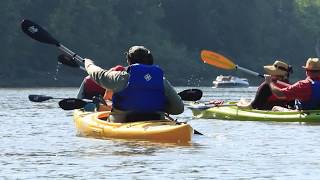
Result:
{"points": [[103, 116], [134, 117]]}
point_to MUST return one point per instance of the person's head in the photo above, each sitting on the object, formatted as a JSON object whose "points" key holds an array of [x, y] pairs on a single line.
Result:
{"points": [[279, 70], [312, 68], [139, 54]]}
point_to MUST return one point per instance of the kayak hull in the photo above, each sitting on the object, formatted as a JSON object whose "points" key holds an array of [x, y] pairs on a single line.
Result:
{"points": [[92, 124], [234, 113]]}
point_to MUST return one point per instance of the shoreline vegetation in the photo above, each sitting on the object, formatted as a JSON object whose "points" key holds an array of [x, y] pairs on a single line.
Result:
{"points": [[251, 32]]}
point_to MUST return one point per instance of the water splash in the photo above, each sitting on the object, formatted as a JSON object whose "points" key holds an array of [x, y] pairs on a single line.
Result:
{"points": [[55, 77], [194, 80]]}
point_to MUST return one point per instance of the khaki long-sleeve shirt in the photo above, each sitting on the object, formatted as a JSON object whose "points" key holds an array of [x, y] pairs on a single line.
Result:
{"points": [[118, 80]]}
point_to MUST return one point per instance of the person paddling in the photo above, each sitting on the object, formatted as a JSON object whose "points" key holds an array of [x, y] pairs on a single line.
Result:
{"points": [[306, 92], [140, 92], [264, 99]]}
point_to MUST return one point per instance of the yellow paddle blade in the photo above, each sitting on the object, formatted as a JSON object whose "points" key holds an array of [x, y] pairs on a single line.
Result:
{"points": [[217, 60]]}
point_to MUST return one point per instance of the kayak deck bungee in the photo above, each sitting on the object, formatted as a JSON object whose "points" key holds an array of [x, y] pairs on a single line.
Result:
{"points": [[93, 124], [232, 112]]}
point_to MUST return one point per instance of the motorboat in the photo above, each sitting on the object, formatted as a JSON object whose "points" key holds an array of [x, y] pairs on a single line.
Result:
{"points": [[229, 82]]}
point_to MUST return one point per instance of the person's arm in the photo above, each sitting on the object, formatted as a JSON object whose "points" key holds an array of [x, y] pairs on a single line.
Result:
{"points": [[243, 104], [174, 103], [274, 89], [109, 79]]}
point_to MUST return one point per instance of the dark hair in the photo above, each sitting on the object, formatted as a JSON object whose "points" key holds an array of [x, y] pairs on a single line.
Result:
{"points": [[139, 54], [290, 71]]}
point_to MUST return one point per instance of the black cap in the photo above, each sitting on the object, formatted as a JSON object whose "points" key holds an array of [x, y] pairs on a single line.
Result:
{"points": [[139, 54]]}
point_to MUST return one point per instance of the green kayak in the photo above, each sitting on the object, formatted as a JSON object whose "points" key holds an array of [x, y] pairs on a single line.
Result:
{"points": [[232, 112]]}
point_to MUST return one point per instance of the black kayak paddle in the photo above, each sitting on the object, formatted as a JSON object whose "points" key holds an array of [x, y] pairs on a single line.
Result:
{"points": [[38, 33], [72, 103], [40, 98], [190, 94]]}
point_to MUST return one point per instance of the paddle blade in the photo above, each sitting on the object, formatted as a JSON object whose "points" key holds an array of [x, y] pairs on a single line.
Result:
{"points": [[190, 94], [217, 60], [39, 98], [72, 103], [36, 32], [68, 61]]}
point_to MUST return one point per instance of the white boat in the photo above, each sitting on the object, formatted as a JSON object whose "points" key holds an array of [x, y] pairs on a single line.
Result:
{"points": [[230, 81]]}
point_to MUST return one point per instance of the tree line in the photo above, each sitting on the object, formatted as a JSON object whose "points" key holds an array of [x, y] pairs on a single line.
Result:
{"points": [[252, 33]]}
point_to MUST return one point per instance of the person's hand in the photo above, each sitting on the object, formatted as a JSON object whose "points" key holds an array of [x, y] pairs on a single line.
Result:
{"points": [[244, 104], [267, 78], [87, 62]]}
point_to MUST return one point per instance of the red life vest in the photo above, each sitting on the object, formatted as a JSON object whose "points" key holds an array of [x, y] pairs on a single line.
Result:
{"points": [[91, 88], [274, 100], [273, 97]]}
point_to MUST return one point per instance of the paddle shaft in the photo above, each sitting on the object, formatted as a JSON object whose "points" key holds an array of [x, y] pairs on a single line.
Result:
{"points": [[249, 71], [71, 53], [170, 118], [259, 75], [206, 106], [40, 98]]}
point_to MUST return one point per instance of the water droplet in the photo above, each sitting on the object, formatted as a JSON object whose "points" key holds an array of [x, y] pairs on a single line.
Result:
{"points": [[55, 77]]}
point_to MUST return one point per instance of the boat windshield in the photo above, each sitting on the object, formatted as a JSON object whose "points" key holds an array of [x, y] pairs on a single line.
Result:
{"points": [[223, 78]]}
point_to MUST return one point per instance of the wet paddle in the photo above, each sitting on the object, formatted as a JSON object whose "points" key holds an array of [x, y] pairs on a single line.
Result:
{"points": [[72, 103], [68, 61], [190, 94], [204, 106], [170, 118], [38, 33], [40, 98], [186, 95], [218, 60]]}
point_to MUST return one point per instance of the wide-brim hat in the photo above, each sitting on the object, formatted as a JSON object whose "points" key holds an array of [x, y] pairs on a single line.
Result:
{"points": [[312, 64], [278, 68]]}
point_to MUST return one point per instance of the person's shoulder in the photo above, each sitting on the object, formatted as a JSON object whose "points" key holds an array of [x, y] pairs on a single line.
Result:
{"points": [[118, 68], [304, 81], [263, 85]]}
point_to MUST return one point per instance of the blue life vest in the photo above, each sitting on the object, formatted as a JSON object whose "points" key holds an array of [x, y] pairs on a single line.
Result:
{"points": [[314, 102], [145, 90]]}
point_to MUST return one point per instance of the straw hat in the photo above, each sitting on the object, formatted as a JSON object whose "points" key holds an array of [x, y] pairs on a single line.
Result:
{"points": [[312, 64], [279, 68]]}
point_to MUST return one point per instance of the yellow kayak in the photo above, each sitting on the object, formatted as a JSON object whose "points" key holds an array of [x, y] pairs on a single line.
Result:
{"points": [[94, 124]]}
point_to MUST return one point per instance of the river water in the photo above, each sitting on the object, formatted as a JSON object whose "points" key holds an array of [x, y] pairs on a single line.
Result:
{"points": [[38, 141]]}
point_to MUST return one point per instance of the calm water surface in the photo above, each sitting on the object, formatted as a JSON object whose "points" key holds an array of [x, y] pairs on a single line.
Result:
{"points": [[38, 141]]}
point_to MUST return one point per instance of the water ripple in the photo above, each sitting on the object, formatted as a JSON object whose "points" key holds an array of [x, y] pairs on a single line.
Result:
{"points": [[38, 141]]}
